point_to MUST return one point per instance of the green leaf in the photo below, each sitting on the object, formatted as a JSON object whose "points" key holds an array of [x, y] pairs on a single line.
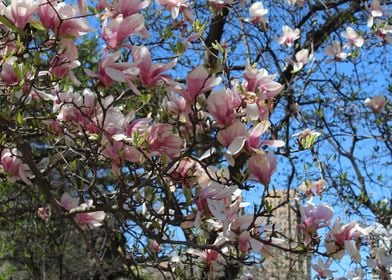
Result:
{"points": [[37, 25], [168, 33], [19, 118], [8, 23]]}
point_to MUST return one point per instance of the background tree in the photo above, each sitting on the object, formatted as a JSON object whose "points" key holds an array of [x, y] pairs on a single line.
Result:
{"points": [[157, 133]]}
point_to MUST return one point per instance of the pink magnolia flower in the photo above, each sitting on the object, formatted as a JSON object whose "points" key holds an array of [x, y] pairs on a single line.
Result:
{"points": [[120, 27], [140, 125], [226, 136], [322, 268], [20, 12], [82, 5], [68, 202], [154, 246], [376, 103], [251, 141], [61, 18], [177, 105], [375, 10], [91, 219], [262, 166], [217, 197], [310, 188], [44, 213], [128, 7], [385, 33], [353, 37], [335, 50], [260, 82], [343, 238], [118, 152], [150, 74], [259, 109], [222, 105], [74, 107], [14, 167], [289, 36], [8, 75], [314, 217], [220, 4], [176, 7], [209, 257], [199, 81], [257, 13], [250, 238], [301, 58], [109, 70], [381, 261], [162, 141], [184, 172], [61, 66], [88, 219]]}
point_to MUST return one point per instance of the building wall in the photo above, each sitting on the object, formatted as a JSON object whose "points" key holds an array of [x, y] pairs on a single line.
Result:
{"points": [[286, 265]]}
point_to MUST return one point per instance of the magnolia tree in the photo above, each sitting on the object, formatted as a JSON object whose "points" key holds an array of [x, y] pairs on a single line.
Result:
{"points": [[147, 139]]}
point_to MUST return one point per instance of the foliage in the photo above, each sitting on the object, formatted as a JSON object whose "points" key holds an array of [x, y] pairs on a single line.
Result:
{"points": [[150, 139]]}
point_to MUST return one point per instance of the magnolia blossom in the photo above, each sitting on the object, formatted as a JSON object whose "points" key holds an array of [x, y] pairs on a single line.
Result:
{"points": [[209, 257], [118, 152], [176, 7], [150, 74], [310, 188], [222, 105], [61, 66], [226, 136], [217, 197], [257, 13], [384, 32], [262, 166], [109, 70], [184, 172], [177, 105], [154, 246], [220, 4], [162, 141], [376, 103], [289, 36], [301, 58], [343, 238], [14, 167], [197, 82], [322, 268], [353, 37], [381, 261], [87, 219], [74, 107], [120, 27], [335, 50], [239, 232], [44, 213], [20, 12], [7, 74], [62, 18], [375, 10], [259, 82], [314, 217], [127, 7], [252, 140]]}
